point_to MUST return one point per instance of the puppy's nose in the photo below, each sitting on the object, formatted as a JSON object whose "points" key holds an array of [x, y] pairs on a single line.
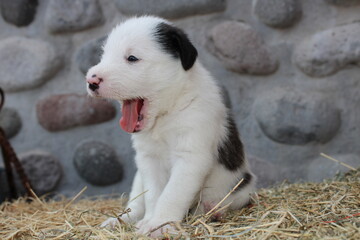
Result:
{"points": [[94, 82], [93, 86]]}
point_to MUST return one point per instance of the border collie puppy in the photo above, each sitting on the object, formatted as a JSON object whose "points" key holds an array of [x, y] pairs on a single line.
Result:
{"points": [[188, 151]]}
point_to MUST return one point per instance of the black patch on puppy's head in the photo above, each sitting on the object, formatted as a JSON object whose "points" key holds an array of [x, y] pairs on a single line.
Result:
{"points": [[175, 42]]}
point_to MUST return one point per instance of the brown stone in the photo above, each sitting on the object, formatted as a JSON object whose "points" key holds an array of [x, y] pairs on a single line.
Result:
{"points": [[61, 112]]}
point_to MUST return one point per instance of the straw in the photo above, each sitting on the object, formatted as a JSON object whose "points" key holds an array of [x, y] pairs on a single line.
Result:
{"points": [[327, 210]]}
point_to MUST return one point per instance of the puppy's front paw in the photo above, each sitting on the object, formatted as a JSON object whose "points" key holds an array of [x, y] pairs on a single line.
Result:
{"points": [[110, 223], [153, 229]]}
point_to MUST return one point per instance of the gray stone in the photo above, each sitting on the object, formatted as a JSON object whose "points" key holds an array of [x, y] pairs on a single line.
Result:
{"points": [[241, 49], [170, 9], [97, 163], [73, 15], [322, 168], [267, 174], [329, 51], [26, 63], [64, 111], [343, 3], [10, 122], [18, 12], [43, 170], [291, 116], [278, 13], [90, 54]]}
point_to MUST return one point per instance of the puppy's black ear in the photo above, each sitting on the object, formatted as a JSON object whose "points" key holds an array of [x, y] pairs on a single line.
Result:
{"points": [[174, 41]]}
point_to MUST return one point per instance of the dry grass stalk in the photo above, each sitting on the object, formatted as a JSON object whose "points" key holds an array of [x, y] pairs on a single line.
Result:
{"points": [[328, 210], [337, 161]]}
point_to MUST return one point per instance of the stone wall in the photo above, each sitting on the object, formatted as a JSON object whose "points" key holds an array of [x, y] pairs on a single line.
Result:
{"points": [[291, 69]]}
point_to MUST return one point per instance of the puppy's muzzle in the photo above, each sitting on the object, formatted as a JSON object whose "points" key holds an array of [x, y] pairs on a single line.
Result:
{"points": [[94, 82], [93, 86]]}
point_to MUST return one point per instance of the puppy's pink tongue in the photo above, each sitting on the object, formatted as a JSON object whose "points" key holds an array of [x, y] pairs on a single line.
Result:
{"points": [[130, 113]]}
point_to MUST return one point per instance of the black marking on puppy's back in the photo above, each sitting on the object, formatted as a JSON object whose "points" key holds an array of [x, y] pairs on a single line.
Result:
{"points": [[231, 151], [247, 178], [175, 42]]}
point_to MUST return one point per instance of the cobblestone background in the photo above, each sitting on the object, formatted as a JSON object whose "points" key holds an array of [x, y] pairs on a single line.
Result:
{"points": [[291, 69]]}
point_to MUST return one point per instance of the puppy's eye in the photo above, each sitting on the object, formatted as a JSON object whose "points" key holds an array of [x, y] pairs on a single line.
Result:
{"points": [[132, 58]]}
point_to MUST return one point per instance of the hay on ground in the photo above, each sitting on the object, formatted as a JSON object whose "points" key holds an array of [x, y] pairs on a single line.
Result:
{"points": [[328, 210]]}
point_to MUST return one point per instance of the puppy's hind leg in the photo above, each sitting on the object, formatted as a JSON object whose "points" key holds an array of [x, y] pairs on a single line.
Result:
{"points": [[220, 186], [136, 204]]}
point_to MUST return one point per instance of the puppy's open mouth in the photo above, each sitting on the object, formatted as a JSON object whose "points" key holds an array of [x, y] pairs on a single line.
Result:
{"points": [[133, 114]]}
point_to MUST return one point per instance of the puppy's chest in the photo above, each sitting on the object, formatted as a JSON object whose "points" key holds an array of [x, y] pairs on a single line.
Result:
{"points": [[153, 150]]}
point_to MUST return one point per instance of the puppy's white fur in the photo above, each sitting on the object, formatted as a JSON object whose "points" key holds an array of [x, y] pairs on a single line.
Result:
{"points": [[186, 122]]}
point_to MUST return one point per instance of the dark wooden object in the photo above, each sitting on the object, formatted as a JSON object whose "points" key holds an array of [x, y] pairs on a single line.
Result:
{"points": [[11, 160]]}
